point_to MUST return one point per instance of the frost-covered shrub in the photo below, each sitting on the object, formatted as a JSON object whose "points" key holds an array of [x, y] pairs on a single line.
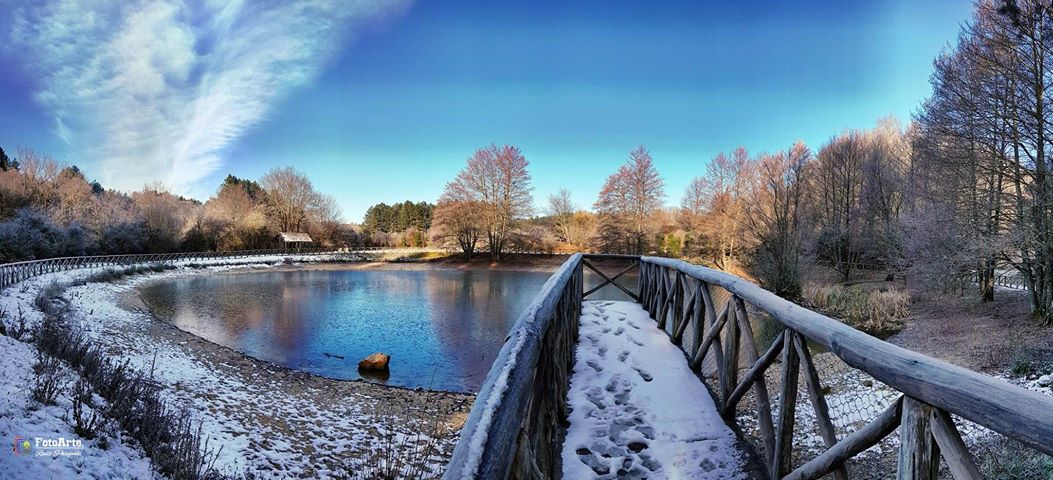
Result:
{"points": [[30, 235], [17, 328], [49, 299], [123, 238], [85, 424], [115, 274], [78, 241]]}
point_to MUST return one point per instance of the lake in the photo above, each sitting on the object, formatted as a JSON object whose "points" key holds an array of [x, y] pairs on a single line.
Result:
{"points": [[442, 328]]}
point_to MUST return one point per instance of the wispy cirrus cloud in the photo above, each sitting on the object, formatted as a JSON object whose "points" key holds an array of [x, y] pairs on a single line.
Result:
{"points": [[156, 89]]}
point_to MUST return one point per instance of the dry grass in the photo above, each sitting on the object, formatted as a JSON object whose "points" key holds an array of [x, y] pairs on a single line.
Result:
{"points": [[426, 256], [47, 381], [878, 312], [410, 445], [115, 274], [18, 328], [1010, 460]]}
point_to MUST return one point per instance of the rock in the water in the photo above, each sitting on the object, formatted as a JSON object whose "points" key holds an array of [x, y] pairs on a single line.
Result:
{"points": [[1045, 380], [375, 362]]}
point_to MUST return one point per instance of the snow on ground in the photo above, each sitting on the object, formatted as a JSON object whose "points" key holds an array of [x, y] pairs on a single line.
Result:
{"points": [[259, 418], [637, 410], [22, 417]]}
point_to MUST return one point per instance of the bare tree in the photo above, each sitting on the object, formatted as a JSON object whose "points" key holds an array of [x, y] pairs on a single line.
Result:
{"points": [[627, 204], [838, 182], [778, 220], [561, 208], [36, 182], [987, 130], [241, 219], [290, 196], [496, 179], [581, 229], [692, 215], [164, 216], [724, 186], [458, 220], [74, 200], [325, 220]]}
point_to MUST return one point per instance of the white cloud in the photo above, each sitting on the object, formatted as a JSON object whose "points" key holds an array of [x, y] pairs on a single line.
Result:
{"points": [[157, 89]]}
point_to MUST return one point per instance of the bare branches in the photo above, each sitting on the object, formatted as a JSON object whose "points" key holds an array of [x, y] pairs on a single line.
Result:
{"points": [[496, 182], [627, 204]]}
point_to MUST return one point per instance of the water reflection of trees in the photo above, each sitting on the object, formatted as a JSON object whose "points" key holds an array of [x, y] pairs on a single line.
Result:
{"points": [[459, 304], [473, 311]]}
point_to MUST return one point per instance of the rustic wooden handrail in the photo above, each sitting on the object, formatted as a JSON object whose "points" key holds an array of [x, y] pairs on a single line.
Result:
{"points": [[932, 389]]}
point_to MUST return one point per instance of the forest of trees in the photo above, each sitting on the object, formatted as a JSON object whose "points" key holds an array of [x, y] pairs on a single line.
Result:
{"points": [[403, 224], [981, 191]]}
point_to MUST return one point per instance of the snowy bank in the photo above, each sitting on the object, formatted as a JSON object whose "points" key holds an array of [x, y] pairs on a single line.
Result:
{"points": [[260, 418]]}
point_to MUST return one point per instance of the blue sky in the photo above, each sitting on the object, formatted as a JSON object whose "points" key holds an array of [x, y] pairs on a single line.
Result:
{"points": [[382, 101]]}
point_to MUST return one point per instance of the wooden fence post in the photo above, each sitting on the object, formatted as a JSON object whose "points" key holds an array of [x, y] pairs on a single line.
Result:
{"points": [[730, 368], [919, 456], [782, 461]]}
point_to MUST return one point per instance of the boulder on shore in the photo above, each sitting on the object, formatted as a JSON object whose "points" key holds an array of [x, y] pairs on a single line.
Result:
{"points": [[376, 362]]}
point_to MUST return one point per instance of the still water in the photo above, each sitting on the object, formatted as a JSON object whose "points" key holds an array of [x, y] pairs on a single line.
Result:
{"points": [[442, 328]]}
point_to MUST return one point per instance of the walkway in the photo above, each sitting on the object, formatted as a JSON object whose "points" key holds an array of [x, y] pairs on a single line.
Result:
{"points": [[637, 410]]}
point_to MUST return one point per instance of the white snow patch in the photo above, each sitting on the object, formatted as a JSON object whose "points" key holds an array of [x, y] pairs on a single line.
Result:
{"points": [[637, 409]]}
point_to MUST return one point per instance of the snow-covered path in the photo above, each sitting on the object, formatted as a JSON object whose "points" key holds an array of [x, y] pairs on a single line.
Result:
{"points": [[637, 410]]}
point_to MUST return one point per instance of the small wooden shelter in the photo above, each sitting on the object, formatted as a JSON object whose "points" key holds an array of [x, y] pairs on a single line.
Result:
{"points": [[295, 239]]}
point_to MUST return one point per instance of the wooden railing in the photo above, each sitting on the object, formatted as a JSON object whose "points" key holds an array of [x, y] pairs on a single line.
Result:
{"points": [[931, 390], [1011, 280], [516, 424], [12, 273]]}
